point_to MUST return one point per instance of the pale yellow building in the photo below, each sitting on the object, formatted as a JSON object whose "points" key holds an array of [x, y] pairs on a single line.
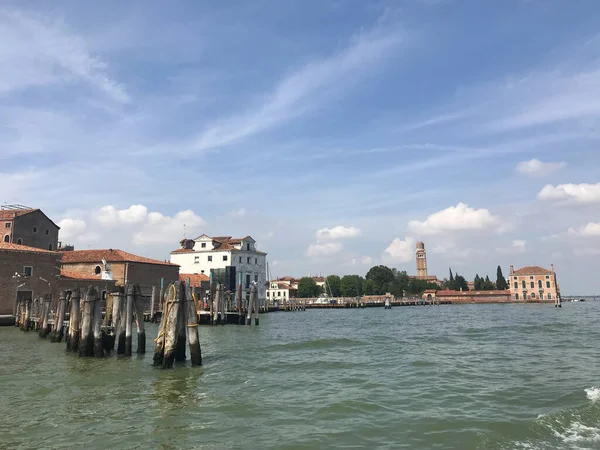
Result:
{"points": [[533, 283]]}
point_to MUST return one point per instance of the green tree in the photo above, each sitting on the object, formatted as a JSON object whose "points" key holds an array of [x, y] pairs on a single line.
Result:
{"points": [[308, 288], [351, 286], [369, 287], [333, 285], [501, 283], [460, 283], [400, 284], [488, 285], [478, 283], [382, 277], [417, 287]]}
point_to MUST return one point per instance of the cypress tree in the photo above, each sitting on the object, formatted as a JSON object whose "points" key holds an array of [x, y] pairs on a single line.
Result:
{"points": [[501, 283]]}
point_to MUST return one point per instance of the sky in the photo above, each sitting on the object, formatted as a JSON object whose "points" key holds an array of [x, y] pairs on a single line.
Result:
{"points": [[337, 133]]}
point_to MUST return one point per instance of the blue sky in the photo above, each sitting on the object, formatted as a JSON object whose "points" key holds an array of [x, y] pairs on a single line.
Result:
{"points": [[336, 133]]}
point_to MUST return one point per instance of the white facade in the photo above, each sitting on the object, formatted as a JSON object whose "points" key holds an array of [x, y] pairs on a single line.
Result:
{"points": [[204, 253], [281, 291]]}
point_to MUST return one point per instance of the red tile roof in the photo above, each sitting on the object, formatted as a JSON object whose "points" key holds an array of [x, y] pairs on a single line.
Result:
{"points": [[11, 247], [183, 250], [532, 270], [67, 274], [110, 255], [195, 278], [9, 214]]}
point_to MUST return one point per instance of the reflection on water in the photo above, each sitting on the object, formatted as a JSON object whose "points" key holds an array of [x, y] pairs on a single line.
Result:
{"points": [[448, 377]]}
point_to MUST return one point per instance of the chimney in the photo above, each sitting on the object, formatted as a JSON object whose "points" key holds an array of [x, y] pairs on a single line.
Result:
{"points": [[512, 269], [552, 267]]}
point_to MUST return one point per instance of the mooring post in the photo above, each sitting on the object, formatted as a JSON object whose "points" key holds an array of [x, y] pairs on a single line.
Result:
{"points": [[98, 349], [240, 302], [170, 329], [26, 315], [139, 319], [74, 319], [159, 342], [192, 328], [211, 298], [181, 322], [86, 343], [252, 303], [119, 319], [153, 302], [56, 335], [130, 294], [43, 326]]}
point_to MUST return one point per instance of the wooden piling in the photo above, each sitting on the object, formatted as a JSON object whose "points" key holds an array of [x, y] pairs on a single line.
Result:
{"points": [[192, 328], [181, 322], [119, 320], [159, 342], [26, 316], [170, 330], [97, 328], [130, 294], [240, 302], [86, 343], [139, 319], [59, 319], [43, 325], [153, 302], [252, 304], [74, 322]]}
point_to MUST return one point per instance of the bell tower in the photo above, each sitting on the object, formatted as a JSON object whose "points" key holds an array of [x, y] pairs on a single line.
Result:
{"points": [[421, 260]]}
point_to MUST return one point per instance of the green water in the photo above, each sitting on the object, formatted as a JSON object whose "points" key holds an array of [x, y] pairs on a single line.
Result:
{"points": [[445, 377]]}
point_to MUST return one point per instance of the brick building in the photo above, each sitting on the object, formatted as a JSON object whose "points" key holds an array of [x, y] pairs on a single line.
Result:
{"points": [[120, 266], [469, 296], [533, 283], [28, 273], [27, 226]]}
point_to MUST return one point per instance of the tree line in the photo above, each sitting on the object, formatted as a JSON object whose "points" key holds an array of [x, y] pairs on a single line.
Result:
{"points": [[381, 280]]}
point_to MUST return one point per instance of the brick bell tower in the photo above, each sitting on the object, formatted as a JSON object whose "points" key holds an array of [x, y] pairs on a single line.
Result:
{"points": [[421, 260]]}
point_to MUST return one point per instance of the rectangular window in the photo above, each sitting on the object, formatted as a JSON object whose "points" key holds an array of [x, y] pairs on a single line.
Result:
{"points": [[224, 257], [523, 284], [196, 260], [516, 296], [515, 278], [27, 271], [548, 284], [532, 284], [203, 245], [256, 278], [249, 259], [210, 258], [279, 293], [247, 280], [531, 277], [47, 232], [539, 284], [240, 259], [549, 296], [247, 246], [7, 225], [255, 260], [267, 293], [516, 285], [547, 277]]}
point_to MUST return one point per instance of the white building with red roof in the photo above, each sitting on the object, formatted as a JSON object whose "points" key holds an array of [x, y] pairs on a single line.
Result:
{"points": [[200, 255]]}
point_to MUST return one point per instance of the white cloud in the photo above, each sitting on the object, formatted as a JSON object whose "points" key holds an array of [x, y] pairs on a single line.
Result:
{"points": [[401, 250], [71, 228], [591, 229], [339, 232], [159, 228], [324, 248], [574, 193], [517, 246], [110, 216], [456, 218], [537, 168], [366, 260]]}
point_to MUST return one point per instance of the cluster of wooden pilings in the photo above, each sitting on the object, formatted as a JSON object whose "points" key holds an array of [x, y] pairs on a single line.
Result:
{"points": [[221, 305], [88, 331], [179, 324]]}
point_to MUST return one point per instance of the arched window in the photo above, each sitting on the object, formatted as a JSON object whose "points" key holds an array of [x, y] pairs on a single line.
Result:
{"points": [[97, 270], [549, 296], [540, 284], [516, 296], [533, 295], [7, 238], [19, 241], [50, 247], [524, 284]]}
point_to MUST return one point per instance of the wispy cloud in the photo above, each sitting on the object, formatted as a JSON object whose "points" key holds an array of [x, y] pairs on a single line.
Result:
{"points": [[302, 90]]}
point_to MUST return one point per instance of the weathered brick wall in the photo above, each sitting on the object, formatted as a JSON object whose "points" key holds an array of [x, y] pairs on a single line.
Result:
{"points": [[5, 231], [45, 265], [88, 270], [23, 229]]}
